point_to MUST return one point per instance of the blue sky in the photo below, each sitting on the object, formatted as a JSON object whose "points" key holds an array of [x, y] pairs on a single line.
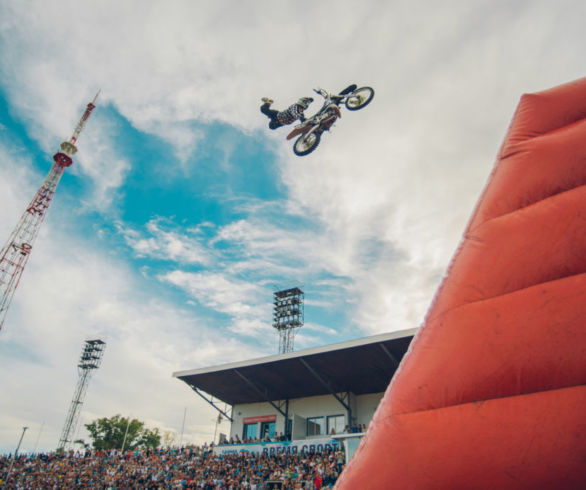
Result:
{"points": [[183, 213]]}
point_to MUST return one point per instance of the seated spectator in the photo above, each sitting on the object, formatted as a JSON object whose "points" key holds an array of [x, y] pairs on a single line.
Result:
{"points": [[189, 467]]}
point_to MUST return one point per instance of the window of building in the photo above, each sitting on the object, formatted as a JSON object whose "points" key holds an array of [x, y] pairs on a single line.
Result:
{"points": [[267, 428], [250, 431], [335, 423], [315, 426]]}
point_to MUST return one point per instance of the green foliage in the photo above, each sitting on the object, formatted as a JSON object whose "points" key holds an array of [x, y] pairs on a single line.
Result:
{"points": [[82, 443], [169, 438], [109, 433]]}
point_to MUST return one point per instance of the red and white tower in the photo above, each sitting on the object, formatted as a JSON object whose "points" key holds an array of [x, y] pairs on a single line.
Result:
{"points": [[16, 251]]}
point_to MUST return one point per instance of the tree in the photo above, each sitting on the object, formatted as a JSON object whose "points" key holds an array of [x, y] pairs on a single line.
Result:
{"points": [[112, 433], [169, 438], [82, 443]]}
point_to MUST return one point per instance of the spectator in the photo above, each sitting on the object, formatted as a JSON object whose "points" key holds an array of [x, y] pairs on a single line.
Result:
{"points": [[340, 459], [317, 481], [178, 468]]}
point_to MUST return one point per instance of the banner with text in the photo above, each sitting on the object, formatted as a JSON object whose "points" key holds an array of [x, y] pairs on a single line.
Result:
{"points": [[287, 447]]}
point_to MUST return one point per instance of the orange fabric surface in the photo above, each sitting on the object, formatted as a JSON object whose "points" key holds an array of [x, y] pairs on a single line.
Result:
{"points": [[525, 442], [542, 242], [492, 391], [530, 172], [528, 341]]}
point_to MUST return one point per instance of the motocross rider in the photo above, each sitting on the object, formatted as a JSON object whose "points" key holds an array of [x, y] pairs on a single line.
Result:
{"points": [[288, 116]]}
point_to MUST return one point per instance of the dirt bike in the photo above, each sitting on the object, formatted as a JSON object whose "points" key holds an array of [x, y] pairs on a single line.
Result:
{"points": [[311, 129]]}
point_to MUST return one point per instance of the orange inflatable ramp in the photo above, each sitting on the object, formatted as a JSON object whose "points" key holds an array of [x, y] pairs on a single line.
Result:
{"points": [[492, 393]]}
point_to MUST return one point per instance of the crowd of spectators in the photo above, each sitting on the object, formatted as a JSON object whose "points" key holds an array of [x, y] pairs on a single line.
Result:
{"points": [[353, 429], [184, 468], [248, 440]]}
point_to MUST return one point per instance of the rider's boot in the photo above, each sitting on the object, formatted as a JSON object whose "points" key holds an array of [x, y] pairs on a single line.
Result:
{"points": [[349, 89]]}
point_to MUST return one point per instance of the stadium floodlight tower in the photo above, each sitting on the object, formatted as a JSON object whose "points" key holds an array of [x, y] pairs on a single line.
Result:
{"points": [[15, 253], [287, 316], [90, 359]]}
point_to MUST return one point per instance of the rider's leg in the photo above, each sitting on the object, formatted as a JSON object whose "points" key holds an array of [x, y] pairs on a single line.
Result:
{"points": [[271, 114], [267, 111], [349, 89], [274, 124]]}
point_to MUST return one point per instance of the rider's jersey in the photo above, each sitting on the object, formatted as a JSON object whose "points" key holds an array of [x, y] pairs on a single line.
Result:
{"points": [[291, 114]]}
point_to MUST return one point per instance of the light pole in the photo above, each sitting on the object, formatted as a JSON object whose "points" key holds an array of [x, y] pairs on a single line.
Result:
{"points": [[16, 451], [19, 442], [125, 434], [183, 427]]}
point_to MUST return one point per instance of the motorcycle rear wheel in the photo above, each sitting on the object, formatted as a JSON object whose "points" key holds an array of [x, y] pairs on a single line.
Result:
{"points": [[306, 143], [360, 98]]}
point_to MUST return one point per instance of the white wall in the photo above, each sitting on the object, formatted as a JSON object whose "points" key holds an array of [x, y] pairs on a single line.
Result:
{"points": [[363, 407], [366, 406], [299, 427], [239, 412]]}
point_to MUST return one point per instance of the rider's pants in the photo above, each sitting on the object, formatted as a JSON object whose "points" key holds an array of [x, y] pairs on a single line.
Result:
{"points": [[271, 114]]}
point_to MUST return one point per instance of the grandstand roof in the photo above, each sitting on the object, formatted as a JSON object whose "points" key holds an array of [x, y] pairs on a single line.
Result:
{"points": [[360, 366]]}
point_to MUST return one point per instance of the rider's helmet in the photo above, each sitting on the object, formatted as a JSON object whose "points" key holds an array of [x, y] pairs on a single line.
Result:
{"points": [[305, 101]]}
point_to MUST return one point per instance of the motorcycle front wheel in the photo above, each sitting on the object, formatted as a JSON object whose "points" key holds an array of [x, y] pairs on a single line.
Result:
{"points": [[306, 143], [360, 98]]}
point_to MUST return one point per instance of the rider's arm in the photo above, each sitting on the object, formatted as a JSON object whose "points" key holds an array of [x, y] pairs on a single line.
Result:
{"points": [[297, 112]]}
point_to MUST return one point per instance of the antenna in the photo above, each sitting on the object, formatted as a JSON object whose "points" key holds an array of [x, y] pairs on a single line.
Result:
{"points": [[15, 253]]}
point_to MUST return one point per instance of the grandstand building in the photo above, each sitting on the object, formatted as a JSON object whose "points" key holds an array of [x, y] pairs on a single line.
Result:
{"points": [[303, 398]]}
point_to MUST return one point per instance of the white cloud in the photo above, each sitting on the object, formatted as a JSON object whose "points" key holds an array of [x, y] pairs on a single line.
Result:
{"points": [[243, 301], [167, 245], [99, 160], [183, 138]]}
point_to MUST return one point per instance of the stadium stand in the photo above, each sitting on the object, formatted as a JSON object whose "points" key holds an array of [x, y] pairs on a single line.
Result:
{"points": [[175, 468]]}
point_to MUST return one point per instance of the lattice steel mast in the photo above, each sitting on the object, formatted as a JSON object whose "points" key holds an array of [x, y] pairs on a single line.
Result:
{"points": [[16, 251], [288, 316], [90, 359]]}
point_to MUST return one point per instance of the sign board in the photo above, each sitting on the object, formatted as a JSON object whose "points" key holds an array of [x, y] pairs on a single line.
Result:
{"points": [[261, 418], [287, 447]]}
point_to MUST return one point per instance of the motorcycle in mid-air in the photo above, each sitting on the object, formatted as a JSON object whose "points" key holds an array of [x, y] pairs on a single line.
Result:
{"points": [[312, 128]]}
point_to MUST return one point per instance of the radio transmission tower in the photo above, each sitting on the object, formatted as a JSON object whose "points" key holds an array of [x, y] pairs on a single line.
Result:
{"points": [[16, 251], [287, 316], [90, 359]]}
